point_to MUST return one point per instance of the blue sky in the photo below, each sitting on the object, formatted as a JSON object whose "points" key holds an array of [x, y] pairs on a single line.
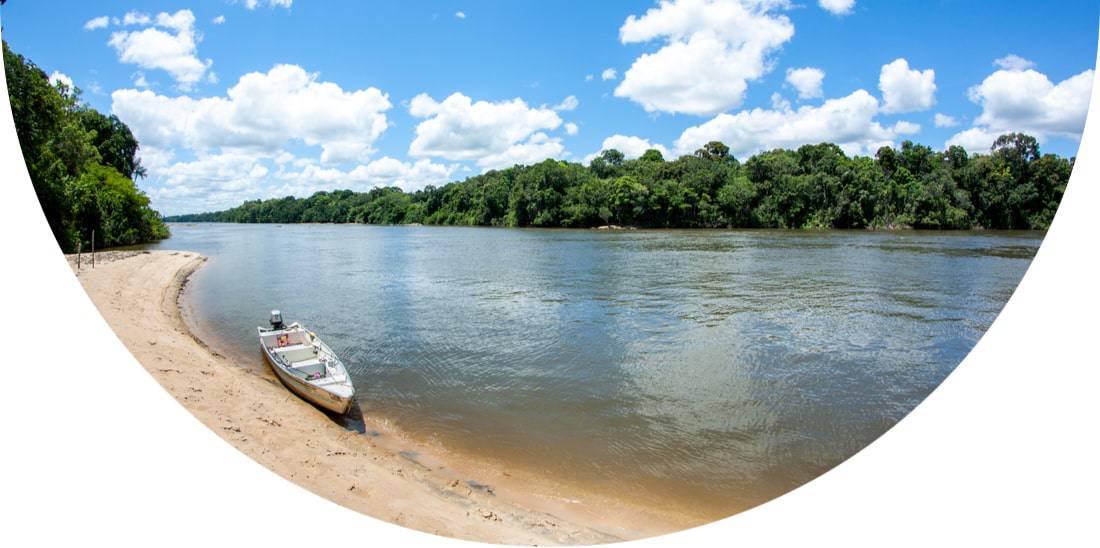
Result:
{"points": [[245, 99]]}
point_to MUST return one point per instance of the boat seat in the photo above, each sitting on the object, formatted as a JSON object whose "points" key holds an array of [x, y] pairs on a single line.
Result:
{"points": [[311, 369], [297, 353]]}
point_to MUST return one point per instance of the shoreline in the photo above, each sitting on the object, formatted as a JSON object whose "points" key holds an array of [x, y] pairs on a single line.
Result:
{"points": [[139, 294], [895, 229]]}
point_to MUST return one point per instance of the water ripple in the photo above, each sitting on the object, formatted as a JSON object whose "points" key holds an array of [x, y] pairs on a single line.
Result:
{"points": [[712, 369]]}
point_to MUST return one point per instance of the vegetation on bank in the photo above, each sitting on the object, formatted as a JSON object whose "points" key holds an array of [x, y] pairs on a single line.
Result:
{"points": [[81, 163], [816, 186]]}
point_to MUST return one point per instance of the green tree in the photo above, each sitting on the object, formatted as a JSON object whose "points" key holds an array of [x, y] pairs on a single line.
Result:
{"points": [[815, 186], [114, 141], [714, 151], [63, 144], [109, 202], [736, 200], [627, 200]]}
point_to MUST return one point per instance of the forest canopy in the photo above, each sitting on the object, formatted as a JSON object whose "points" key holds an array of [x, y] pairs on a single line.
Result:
{"points": [[82, 163], [815, 186]]}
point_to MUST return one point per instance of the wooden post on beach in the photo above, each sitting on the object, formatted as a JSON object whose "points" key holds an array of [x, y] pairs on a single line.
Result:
{"points": [[78, 255], [93, 248]]}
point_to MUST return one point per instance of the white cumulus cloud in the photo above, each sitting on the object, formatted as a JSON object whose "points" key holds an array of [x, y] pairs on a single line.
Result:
{"points": [[100, 22], [779, 102], [807, 81], [975, 139], [535, 149], [837, 7], [710, 51], [169, 45], [253, 4], [261, 113], [1025, 100], [385, 171], [211, 153], [136, 18], [218, 20], [218, 181], [847, 121], [140, 80], [567, 104], [60, 77], [211, 172], [905, 89], [631, 147], [943, 120], [609, 74], [208, 182], [903, 127], [460, 15], [1013, 62], [493, 134]]}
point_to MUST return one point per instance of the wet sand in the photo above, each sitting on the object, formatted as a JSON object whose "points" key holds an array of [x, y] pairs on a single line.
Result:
{"points": [[378, 473]]}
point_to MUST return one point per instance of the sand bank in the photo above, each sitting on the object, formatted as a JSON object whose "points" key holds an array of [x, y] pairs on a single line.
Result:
{"points": [[381, 474]]}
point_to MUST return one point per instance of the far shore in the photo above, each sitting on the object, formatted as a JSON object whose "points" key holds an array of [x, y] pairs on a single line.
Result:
{"points": [[380, 473], [889, 229]]}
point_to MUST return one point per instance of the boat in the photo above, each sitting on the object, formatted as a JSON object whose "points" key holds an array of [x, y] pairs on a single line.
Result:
{"points": [[306, 365]]}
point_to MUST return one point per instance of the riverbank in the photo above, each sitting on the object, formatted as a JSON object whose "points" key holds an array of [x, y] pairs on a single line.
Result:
{"points": [[378, 474]]}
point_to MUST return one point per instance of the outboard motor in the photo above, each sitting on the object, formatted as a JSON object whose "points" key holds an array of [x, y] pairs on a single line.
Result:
{"points": [[276, 319]]}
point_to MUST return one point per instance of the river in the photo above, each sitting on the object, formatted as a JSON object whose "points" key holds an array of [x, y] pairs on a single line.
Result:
{"points": [[707, 370]]}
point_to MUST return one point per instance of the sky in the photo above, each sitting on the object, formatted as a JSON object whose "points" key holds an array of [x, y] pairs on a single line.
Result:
{"points": [[245, 99]]}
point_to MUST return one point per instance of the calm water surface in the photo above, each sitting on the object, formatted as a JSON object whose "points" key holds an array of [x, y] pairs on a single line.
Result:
{"points": [[709, 370]]}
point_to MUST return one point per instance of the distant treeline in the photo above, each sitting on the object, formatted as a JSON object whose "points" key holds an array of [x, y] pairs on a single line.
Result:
{"points": [[816, 186], [81, 163]]}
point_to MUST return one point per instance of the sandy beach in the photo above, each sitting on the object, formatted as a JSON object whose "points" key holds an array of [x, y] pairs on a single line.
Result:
{"points": [[379, 473]]}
